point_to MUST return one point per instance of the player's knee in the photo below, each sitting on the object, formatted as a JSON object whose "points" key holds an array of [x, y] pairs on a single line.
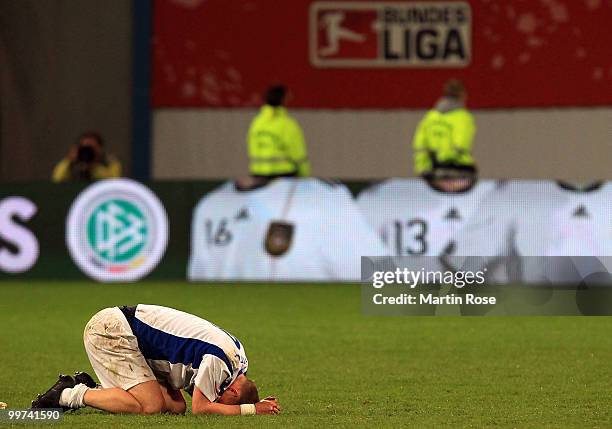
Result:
{"points": [[153, 407], [177, 408], [134, 407]]}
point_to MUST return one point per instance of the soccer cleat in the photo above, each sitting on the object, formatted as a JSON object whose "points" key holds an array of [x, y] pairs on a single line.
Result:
{"points": [[81, 377], [50, 399]]}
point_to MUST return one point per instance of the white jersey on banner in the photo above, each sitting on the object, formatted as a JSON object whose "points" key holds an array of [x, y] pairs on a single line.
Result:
{"points": [[542, 219], [415, 219], [326, 233], [558, 221]]}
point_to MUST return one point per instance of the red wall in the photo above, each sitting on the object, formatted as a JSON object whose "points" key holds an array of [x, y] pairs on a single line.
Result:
{"points": [[524, 53]]}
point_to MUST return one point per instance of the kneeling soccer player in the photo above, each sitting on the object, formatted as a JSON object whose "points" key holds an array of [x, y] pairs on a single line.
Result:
{"points": [[144, 355]]}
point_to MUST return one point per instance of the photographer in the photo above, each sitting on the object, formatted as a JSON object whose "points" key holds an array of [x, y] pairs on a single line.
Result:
{"points": [[87, 161]]}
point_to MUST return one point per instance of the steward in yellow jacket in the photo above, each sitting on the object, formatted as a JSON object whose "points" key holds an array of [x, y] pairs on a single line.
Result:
{"points": [[446, 134], [275, 140]]}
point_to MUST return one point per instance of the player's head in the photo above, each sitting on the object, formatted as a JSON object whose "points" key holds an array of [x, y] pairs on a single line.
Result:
{"points": [[275, 95], [241, 391], [453, 88], [452, 177]]}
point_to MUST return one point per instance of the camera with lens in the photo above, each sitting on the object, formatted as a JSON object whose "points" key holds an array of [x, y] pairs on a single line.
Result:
{"points": [[86, 154]]}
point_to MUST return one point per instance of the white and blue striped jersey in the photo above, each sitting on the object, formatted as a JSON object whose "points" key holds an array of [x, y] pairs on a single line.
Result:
{"points": [[185, 351]]}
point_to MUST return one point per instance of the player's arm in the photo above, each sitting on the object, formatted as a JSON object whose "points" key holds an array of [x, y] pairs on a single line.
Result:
{"points": [[201, 405]]}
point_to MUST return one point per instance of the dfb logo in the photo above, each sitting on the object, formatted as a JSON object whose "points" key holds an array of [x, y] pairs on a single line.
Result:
{"points": [[117, 230], [18, 245], [390, 34]]}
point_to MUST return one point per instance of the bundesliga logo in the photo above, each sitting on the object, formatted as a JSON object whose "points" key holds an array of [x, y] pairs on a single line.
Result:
{"points": [[390, 34], [117, 230]]}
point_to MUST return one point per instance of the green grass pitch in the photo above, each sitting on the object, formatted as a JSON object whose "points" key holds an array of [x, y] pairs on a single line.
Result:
{"points": [[330, 365]]}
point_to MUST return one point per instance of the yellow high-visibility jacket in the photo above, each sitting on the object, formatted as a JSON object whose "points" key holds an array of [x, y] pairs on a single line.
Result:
{"points": [[276, 144], [444, 138], [63, 170]]}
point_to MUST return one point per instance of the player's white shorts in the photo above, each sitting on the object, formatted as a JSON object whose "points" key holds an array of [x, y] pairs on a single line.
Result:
{"points": [[113, 351]]}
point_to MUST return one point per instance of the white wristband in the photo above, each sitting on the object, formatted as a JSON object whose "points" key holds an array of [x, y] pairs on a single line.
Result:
{"points": [[247, 409]]}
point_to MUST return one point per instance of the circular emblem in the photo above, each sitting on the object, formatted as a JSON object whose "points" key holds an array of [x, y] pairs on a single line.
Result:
{"points": [[117, 230]]}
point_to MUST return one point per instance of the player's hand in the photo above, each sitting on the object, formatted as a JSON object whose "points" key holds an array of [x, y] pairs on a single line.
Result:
{"points": [[267, 406]]}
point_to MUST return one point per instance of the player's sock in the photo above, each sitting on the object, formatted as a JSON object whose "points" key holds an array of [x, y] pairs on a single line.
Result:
{"points": [[73, 397]]}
